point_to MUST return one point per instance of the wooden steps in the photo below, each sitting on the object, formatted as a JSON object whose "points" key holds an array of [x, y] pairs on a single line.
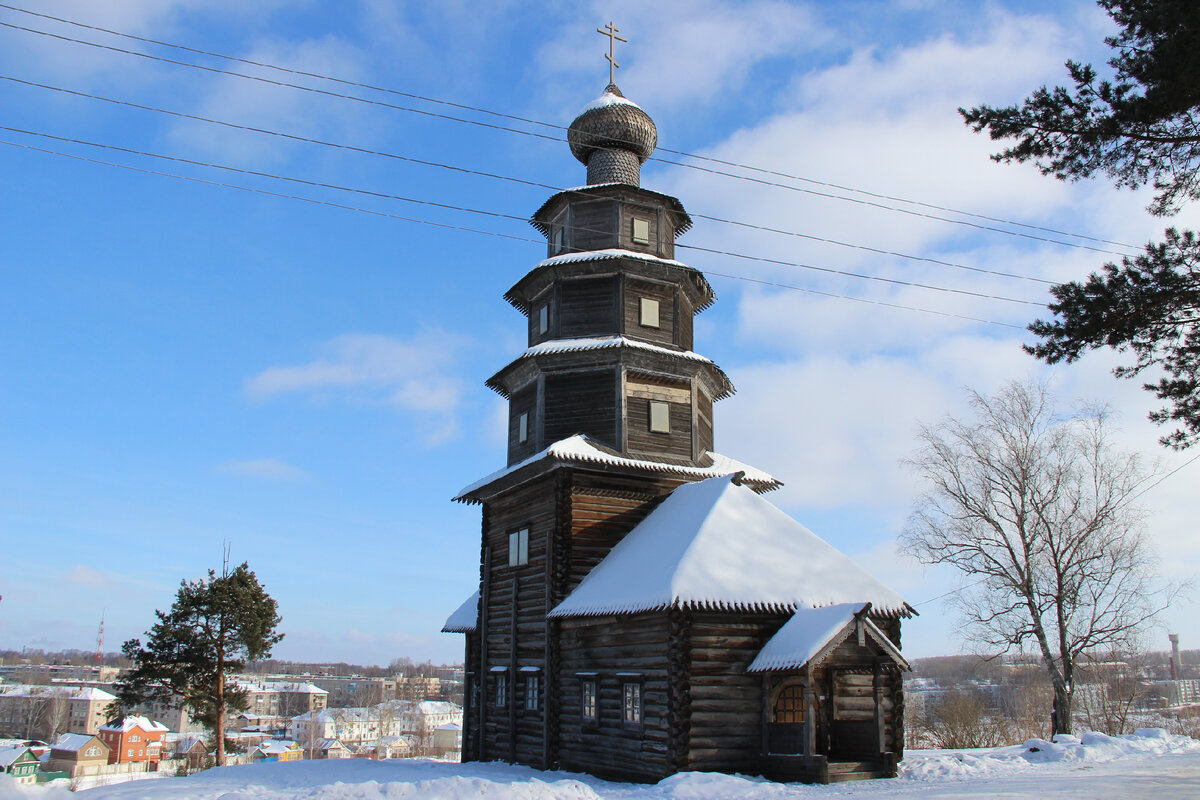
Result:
{"points": [[841, 771]]}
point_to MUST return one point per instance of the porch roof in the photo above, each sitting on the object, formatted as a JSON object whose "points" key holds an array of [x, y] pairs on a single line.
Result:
{"points": [[812, 634]]}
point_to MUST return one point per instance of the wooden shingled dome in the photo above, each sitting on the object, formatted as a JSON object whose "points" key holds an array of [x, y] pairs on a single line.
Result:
{"points": [[613, 137]]}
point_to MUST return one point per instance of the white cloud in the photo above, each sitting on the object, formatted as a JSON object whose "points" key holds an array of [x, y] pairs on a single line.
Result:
{"points": [[410, 375], [270, 107], [266, 468]]}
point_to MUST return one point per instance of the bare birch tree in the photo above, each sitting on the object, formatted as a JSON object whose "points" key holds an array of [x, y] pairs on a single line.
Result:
{"points": [[1035, 510]]}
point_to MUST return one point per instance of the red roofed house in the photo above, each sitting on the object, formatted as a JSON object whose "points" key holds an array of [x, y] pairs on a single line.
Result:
{"points": [[133, 739]]}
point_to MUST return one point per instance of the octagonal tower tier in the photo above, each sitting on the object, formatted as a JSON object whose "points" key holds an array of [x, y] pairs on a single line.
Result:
{"points": [[610, 311]]}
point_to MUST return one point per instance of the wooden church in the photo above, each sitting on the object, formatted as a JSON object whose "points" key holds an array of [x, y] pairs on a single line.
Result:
{"points": [[642, 609]]}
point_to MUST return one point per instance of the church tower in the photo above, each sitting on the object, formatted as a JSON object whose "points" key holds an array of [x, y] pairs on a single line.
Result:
{"points": [[632, 582]]}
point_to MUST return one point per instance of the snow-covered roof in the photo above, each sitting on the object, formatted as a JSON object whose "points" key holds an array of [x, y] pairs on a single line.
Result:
{"points": [[608, 252], [72, 742], [127, 724], [579, 449], [9, 755], [277, 746], [465, 618], [723, 389], [804, 636], [719, 545], [605, 100], [39, 690], [286, 687]]}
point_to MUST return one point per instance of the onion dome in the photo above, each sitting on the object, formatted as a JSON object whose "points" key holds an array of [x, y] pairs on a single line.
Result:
{"points": [[613, 137]]}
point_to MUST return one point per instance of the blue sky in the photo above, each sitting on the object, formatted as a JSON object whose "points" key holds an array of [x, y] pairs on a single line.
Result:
{"points": [[183, 364]]}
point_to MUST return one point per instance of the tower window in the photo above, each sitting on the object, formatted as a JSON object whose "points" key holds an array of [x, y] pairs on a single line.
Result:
{"points": [[543, 318], [590, 711], [556, 241], [518, 548], [648, 312], [660, 417], [523, 427], [641, 231]]}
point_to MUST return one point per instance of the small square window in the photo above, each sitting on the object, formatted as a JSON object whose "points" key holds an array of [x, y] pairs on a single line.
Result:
{"points": [[518, 548], [632, 705], [648, 315], [543, 319], [523, 427], [531, 692], [660, 417], [590, 712], [641, 231]]}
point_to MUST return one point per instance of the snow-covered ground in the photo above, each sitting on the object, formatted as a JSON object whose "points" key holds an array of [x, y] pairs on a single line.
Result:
{"points": [[1149, 766]]}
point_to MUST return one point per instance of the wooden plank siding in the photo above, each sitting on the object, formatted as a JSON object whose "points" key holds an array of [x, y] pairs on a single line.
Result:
{"points": [[607, 647], [514, 620], [726, 701], [580, 402], [704, 422], [592, 225], [664, 293], [640, 390], [522, 402]]}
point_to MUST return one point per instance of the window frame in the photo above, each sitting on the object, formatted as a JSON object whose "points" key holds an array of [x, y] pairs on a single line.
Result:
{"points": [[654, 422], [650, 312], [501, 696], [533, 695], [542, 323], [523, 427], [518, 547], [594, 717], [643, 238], [631, 690]]}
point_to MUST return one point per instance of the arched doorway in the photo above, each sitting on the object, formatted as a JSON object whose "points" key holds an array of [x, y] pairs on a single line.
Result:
{"points": [[790, 717]]}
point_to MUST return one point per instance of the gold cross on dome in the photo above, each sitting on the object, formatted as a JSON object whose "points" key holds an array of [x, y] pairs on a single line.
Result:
{"points": [[610, 30]]}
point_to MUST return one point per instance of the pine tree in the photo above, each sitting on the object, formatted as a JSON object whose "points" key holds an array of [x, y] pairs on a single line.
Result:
{"points": [[1141, 128], [215, 626]]}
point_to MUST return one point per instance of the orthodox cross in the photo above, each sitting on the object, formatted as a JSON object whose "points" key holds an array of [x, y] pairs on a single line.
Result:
{"points": [[610, 30]]}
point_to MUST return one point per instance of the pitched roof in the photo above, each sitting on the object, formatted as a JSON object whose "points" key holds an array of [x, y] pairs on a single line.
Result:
{"points": [[72, 742], [126, 724], [10, 755], [812, 633], [579, 449], [465, 618], [717, 544]]}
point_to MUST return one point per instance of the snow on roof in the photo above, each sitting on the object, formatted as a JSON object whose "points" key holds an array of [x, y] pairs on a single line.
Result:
{"points": [[717, 544], [133, 721], [8, 755], [605, 100], [292, 687], [465, 618], [584, 343], [804, 635], [608, 252], [277, 746], [580, 449], [73, 693], [449, 726], [72, 742]]}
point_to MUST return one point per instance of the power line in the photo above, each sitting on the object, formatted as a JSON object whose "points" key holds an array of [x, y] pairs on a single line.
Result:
{"points": [[495, 214], [424, 162], [510, 237], [423, 98]]}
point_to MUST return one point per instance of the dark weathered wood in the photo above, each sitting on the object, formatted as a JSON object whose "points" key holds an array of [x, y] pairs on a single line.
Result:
{"points": [[581, 402], [587, 306]]}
